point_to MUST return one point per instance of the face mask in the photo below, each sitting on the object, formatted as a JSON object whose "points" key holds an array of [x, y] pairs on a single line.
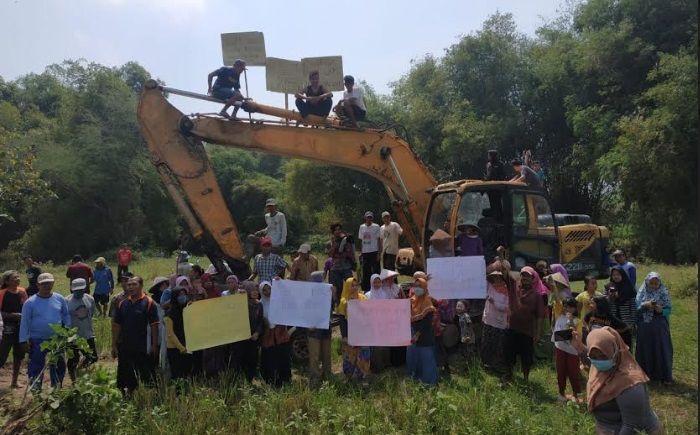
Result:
{"points": [[603, 364], [419, 291], [78, 294], [182, 299]]}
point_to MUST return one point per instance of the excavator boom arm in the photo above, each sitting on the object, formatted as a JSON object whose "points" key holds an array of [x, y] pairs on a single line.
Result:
{"points": [[174, 141]]}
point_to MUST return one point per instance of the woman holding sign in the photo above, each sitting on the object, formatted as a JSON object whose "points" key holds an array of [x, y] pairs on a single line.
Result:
{"points": [[355, 358], [500, 296], [420, 356]]}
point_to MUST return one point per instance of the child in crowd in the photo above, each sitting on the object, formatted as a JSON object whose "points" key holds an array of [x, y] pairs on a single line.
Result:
{"points": [[600, 314], [466, 346], [468, 241], [565, 355], [356, 359], [583, 300]]}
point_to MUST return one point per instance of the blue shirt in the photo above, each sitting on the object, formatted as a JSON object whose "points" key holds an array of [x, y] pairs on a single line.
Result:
{"points": [[166, 296], [104, 280], [38, 313], [227, 77]]}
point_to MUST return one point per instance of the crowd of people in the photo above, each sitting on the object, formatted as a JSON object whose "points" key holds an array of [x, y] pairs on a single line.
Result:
{"points": [[592, 332]]}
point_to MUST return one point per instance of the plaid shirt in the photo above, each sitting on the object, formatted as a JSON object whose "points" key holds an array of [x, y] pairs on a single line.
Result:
{"points": [[268, 267]]}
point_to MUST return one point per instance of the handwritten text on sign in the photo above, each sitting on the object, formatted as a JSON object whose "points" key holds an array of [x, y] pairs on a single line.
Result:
{"points": [[330, 69], [379, 322], [300, 303], [248, 46], [457, 277], [213, 322], [282, 75]]}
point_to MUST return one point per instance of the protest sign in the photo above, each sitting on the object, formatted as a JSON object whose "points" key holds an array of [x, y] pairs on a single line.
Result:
{"points": [[282, 75], [213, 322], [248, 46], [379, 322], [330, 69], [457, 277], [300, 303]]}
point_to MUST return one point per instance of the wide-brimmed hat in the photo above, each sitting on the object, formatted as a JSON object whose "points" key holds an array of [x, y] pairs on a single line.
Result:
{"points": [[386, 274], [158, 281], [100, 260], [305, 248], [270, 201], [559, 279], [440, 235]]}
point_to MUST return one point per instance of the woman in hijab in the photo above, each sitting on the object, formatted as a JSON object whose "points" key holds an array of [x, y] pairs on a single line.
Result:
{"points": [[243, 355], [654, 351], [180, 361], [320, 343], [275, 357], [565, 288], [525, 320], [622, 296], [495, 341], [617, 393], [356, 360], [420, 356]]}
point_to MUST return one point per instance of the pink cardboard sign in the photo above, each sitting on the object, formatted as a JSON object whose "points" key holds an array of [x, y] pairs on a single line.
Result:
{"points": [[379, 322]]}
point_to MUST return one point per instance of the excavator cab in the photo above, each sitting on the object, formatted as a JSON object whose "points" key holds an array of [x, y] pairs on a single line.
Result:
{"points": [[507, 214], [520, 219]]}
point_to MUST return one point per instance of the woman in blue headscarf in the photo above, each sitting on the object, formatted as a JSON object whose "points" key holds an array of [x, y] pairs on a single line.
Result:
{"points": [[654, 348]]}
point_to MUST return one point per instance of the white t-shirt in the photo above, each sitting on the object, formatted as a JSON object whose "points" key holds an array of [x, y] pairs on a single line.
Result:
{"points": [[370, 237], [276, 228], [359, 93], [560, 325], [390, 237]]}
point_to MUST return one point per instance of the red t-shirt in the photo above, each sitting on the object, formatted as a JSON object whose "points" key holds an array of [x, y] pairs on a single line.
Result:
{"points": [[124, 257], [79, 270]]}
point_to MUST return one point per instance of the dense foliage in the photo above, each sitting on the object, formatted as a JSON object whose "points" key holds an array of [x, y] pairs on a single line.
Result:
{"points": [[605, 96]]}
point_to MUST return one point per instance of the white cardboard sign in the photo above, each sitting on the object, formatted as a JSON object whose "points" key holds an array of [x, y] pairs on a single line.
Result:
{"points": [[248, 46], [330, 69], [457, 277], [282, 75], [300, 303]]}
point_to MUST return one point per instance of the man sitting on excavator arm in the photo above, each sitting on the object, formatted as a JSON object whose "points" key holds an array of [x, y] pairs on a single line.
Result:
{"points": [[227, 86], [352, 107]]}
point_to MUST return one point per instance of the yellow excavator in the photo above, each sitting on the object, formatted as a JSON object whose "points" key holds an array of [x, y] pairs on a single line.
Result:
{"points": [[509, 214]]}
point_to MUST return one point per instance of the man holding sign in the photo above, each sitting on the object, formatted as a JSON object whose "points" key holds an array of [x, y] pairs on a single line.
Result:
{"points": [[227, 86]]}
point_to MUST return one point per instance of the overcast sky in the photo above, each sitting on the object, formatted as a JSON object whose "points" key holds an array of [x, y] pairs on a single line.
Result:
{"points": [[178, 41]]}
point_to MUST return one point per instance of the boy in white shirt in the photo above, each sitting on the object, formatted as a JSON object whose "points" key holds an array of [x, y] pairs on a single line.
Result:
{"points": [[369, 236], [352, 105], [390, 233]]}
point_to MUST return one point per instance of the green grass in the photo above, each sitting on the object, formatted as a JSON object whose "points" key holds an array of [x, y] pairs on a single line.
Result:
{"points": [[472, 402]]}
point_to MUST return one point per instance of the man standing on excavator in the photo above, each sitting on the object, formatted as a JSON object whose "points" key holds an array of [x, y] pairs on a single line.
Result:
{"points": [[276, 228], [227, 86]]}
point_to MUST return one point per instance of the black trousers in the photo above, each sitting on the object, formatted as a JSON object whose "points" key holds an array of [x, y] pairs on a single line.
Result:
{"points": [[90, 358], [10, 341], [276, 365], [244, 358], [132, 367], [122, 270], [180, 364], [322, 108], [389, 261], [370, 265]]}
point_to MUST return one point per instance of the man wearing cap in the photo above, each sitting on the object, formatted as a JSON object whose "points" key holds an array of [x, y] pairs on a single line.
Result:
{"points": [[371, 245], [104, 285], [630, 269], [276, 228], [42, 310], [266, 264], [134, 317], [78, 269], [227, 86], [352, 106], [81, 307], [390, 232], [304, 264]]}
